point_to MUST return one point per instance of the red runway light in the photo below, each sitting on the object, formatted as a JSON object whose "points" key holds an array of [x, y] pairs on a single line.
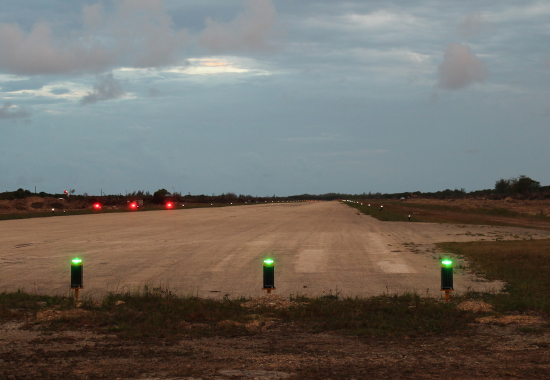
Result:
{"points": [[133, 205], [169, 205], [97, 206]]}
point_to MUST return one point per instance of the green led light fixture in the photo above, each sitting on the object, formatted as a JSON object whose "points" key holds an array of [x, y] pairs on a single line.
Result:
{"points": [[77, 276], [269, 275], [447, 278]]}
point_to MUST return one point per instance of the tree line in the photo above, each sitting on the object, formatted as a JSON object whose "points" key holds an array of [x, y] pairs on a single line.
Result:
{"points": [[518, 187]]}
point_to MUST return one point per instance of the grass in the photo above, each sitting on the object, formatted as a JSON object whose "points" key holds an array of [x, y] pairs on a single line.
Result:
{"points": [[16, 305], [400, 211], [523, 265], [385, 315], [158, 314], [387, 214]]}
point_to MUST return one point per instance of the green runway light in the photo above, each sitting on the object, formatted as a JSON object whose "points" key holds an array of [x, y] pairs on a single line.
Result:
{"points": [[447, 262], [269, 275], [447, 277], [77, 275]]}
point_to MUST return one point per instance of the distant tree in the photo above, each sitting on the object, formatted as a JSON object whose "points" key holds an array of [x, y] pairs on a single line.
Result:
{"points": [[519, 185], [159, 195], [502, 186], [20, 193], [524, 185]]}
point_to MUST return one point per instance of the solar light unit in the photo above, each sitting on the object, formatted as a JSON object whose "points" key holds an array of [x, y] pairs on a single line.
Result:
{"points": [[447, 278], [77, 276], [269, 275]]}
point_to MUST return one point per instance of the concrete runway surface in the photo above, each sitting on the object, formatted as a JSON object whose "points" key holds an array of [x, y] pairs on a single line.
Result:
{"points": [[318, 248]]}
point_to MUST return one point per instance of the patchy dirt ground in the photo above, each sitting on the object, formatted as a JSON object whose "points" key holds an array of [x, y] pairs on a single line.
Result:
{"points": [[491, 349]]}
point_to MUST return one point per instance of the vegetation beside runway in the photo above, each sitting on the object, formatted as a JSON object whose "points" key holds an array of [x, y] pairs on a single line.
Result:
{"points": [[47, 214], [155, 313], [398, 211], [524, 265]]}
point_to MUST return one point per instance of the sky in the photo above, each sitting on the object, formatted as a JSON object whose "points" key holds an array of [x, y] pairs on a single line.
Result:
{"points": [[266, 97]]}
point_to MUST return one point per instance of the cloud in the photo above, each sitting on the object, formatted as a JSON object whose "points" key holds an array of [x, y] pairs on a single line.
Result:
{"points": [[153, 91], [460, 68], [107, 87], [134, 34], [60, 91], [24, 84], [248, 31], [473, 25], [9, 111]]}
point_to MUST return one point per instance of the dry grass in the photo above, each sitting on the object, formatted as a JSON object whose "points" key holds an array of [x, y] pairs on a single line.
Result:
{"points": [[523, 265], [449, 213]]}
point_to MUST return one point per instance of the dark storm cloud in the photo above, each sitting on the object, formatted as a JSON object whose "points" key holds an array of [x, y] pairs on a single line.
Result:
{"points": [[8, 111], [107, 87], [460, 68]]}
